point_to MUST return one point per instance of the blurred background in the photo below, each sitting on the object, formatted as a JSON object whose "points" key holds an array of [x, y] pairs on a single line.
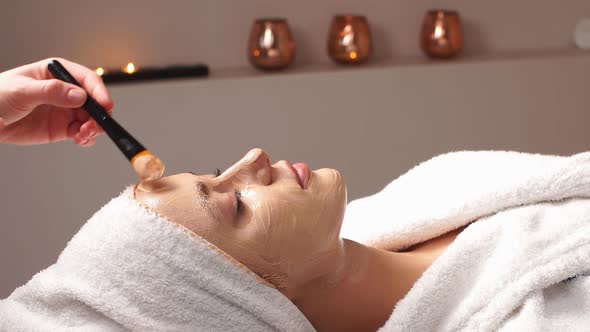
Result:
{"points": [[520, 84]]}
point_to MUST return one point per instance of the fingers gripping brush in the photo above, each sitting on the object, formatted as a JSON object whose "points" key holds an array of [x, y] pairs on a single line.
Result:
{"points": [[145, 164]]}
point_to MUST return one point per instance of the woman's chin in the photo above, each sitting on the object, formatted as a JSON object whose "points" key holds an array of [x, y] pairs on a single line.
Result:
{"points": [[329, 199], [328, 181]]}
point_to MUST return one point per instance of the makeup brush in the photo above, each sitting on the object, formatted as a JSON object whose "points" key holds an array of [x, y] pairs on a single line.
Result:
{"points": [[147, 166]]}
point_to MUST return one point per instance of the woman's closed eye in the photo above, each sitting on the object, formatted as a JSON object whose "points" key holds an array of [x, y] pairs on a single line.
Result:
{"points": [[239, 202], [238, 196], [237, 193]]}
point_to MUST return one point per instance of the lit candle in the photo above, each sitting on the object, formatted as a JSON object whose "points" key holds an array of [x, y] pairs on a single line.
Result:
{"points": [[130, 68], [347, 35], [100, 71], [439, 31], [267, 39]]}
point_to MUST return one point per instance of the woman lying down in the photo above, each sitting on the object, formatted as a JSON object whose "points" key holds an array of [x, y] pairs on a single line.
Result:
{"points": [[465, 241]]}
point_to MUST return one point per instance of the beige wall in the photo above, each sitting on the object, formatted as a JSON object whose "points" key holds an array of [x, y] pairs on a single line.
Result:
{"points": [[371, 123], [110, 32]]}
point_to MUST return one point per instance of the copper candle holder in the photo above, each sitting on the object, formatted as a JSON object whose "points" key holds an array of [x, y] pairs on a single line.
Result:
{"points": [[271, 45], [442, 34], [349, 39]]}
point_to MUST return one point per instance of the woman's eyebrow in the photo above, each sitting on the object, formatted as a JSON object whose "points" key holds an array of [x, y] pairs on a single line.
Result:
{"points": [[203, 198], [210, 175]]}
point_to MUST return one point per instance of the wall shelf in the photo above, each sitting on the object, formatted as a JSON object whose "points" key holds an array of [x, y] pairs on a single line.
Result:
{"points": [[402, 63]]}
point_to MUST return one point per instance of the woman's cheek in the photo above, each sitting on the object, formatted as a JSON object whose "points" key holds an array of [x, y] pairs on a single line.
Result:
{"points": [[254, 217], [272, 219]]}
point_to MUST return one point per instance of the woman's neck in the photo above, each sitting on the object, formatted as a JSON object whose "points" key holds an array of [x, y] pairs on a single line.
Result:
{"points": [[371, 284]]}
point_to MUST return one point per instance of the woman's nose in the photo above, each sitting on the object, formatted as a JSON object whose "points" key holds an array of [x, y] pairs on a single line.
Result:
{"points": [[255, 168]]}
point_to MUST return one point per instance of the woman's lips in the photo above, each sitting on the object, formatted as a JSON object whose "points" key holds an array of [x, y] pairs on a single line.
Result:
{"points": [[302, 172]]}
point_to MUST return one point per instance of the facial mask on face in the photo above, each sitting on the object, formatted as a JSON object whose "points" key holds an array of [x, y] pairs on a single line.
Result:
{"points": [[287, 235], [291, 234]]}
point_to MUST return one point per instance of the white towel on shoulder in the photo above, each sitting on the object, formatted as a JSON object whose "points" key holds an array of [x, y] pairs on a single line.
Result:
{"points": [[520, 266], [129, 269]]}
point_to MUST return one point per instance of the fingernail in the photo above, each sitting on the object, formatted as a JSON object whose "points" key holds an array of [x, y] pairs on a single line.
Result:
{"points": [[76, 96], [91, 134]]}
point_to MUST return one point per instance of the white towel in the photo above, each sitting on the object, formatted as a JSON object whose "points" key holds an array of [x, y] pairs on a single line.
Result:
{"points": [[129, 269], [521, 266]]}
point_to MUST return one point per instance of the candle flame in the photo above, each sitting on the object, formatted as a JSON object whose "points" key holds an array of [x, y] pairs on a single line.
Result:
{"points": [[347, 34], [130, 68], [352, 55], [268, 38], [100, 71], [438, 31]]}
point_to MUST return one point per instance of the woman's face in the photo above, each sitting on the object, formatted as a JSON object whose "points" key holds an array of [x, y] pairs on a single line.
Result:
{"points": [[281, 221]]}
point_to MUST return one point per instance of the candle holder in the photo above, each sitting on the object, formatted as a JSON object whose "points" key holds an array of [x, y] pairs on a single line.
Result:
{"points": [[271, 45], [131, 73], [442, 35], [349, 39]]}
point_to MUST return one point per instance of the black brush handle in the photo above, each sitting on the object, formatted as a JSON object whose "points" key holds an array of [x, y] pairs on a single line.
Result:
{"points": [[122, 139]]}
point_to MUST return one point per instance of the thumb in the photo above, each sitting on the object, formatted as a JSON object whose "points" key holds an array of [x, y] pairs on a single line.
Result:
{"points": [[54, 92]]}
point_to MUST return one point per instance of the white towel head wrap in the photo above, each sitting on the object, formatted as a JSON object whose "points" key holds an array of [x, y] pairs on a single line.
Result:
{"points": [[131, 268]]}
